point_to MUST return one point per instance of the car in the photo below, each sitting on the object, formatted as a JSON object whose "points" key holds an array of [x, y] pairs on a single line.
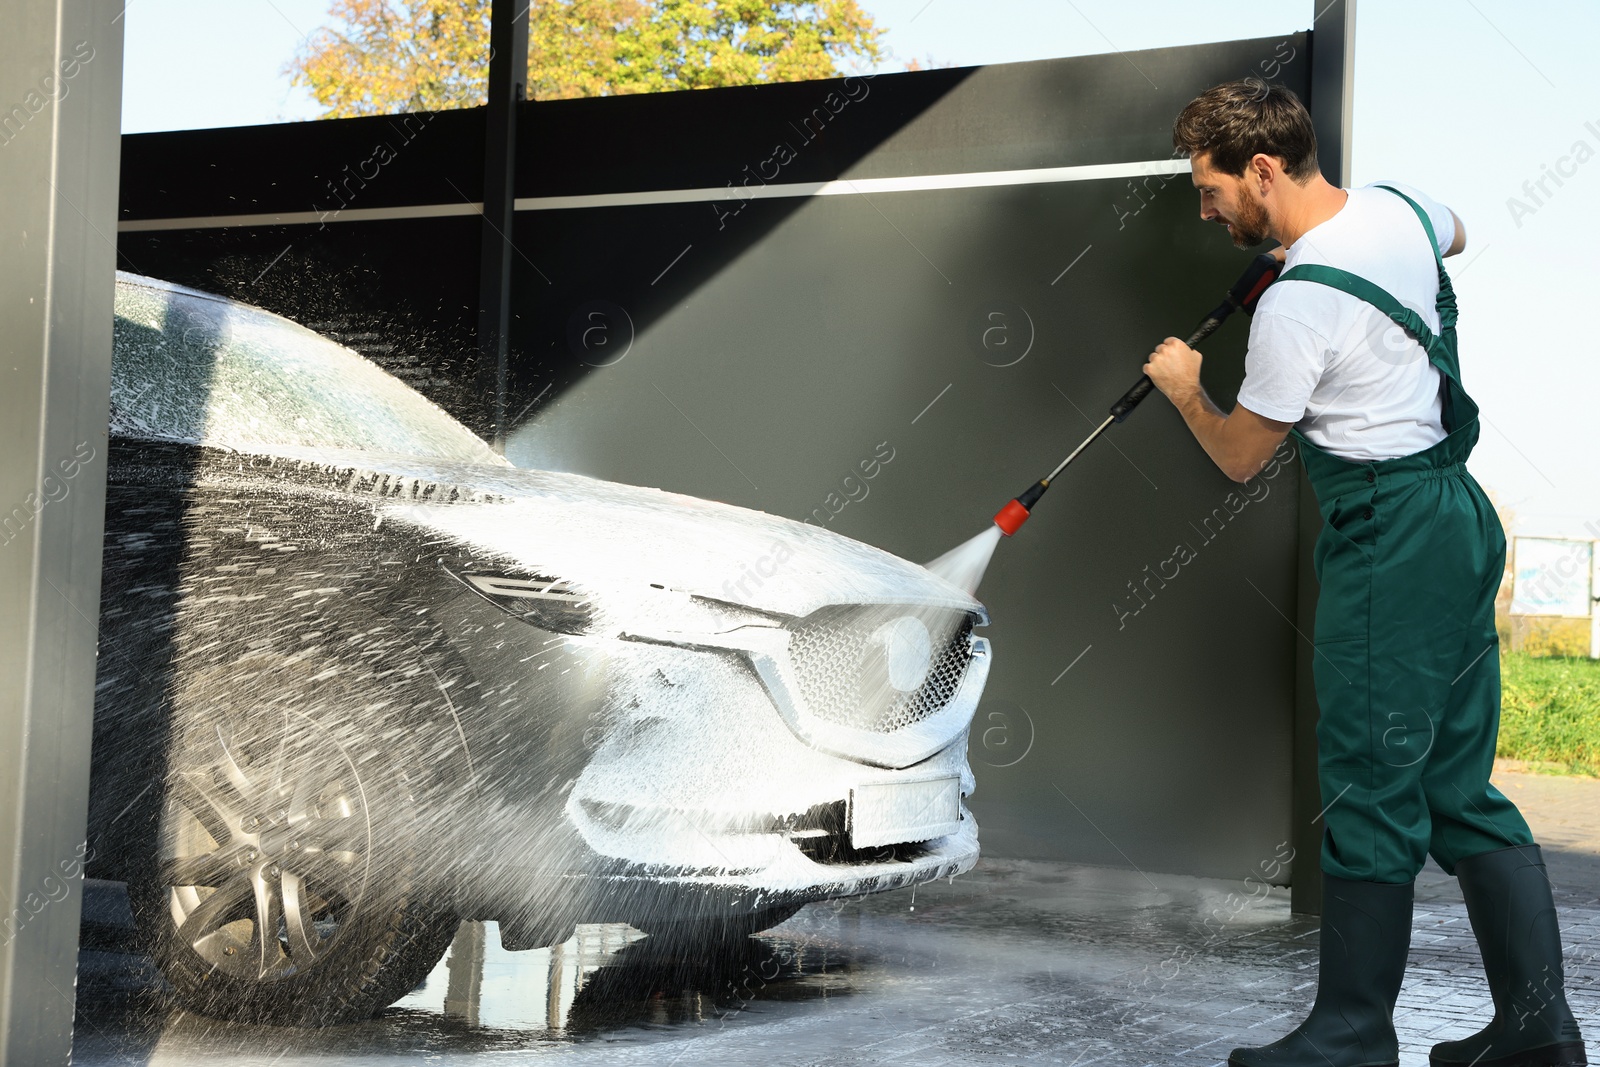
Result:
{"points": [[360, 678]]}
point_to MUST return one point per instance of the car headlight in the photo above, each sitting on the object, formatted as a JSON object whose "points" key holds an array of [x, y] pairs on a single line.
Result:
{"points": [[539, 600], [883, 683]]}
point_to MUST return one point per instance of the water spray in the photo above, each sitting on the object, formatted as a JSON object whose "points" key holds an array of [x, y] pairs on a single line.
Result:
{"points": [[1243, 296], [964, 565]]}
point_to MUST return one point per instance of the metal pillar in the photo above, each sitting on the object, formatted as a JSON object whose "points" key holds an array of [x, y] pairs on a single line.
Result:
{"points": [[508, 75], [60, 113], [1333, 40], [1333, 65]]}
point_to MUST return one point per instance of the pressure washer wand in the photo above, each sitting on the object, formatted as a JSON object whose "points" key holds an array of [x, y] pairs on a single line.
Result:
{"points": [[1262, 272]]}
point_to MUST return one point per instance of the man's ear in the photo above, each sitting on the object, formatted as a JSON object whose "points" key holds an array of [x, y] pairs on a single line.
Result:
{"points": [[1263, 170]]}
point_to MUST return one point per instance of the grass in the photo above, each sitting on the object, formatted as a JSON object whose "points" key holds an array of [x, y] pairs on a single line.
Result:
{"points": [[1550, 713]]}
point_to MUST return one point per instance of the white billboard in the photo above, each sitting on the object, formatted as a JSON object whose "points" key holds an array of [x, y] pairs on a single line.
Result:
{"points": [[1551, 577]]}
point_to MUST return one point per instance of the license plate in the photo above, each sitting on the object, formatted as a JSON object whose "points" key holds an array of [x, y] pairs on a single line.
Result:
{"points": [[893, 813]]}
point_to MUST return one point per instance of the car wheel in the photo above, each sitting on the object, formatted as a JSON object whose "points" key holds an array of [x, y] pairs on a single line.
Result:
{"points": [[285, 888]]}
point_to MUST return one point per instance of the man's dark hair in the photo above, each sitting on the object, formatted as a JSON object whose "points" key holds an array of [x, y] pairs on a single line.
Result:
{"points": [[1231, 122]]}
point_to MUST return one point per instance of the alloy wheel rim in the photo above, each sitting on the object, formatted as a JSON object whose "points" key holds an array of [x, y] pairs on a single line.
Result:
{"points": [[266, 846]]}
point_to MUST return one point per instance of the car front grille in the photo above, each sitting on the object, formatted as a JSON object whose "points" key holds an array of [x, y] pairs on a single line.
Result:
{"points": [[844, 680]]}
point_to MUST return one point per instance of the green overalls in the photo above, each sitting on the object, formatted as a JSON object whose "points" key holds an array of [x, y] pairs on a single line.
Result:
{"points": [[1407, 664]]}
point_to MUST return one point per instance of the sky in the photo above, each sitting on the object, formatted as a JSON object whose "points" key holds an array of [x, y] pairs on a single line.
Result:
{"points": [[1473, 101]]}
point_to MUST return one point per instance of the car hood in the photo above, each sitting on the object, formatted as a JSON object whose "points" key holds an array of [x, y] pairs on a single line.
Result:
{"points": [[619, 539]]}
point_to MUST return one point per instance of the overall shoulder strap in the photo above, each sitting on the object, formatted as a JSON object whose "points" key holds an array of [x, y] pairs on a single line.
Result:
{"points": [[1445, 304], [1441, 354], [1422, 217], [1375, 295]]}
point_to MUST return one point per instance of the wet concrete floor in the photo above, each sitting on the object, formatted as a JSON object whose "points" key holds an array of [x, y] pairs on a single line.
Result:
{"points": [[1018, 962]]}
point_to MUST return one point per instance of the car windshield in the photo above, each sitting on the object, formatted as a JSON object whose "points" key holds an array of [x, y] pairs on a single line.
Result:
{"points": [[192, 367]]}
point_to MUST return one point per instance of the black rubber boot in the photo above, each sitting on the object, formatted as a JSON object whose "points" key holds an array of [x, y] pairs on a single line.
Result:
{"points": [[1514, 919], [1366, 934]]}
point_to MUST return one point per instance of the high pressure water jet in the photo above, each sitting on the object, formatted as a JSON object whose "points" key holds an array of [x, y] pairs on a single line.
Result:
{"points": [[965, 564]]}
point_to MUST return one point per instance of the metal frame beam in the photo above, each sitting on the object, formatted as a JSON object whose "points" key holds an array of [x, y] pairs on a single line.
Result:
{"points": [[508, 75], [1333, 65], [60, 117]]}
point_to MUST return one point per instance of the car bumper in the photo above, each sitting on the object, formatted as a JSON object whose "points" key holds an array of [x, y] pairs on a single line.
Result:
{"points": [[646, 896], [704, 791]]}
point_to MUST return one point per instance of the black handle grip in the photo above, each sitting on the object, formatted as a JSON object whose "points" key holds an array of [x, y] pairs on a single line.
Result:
{"points": [[1244, 295], [1130, 400], [1246, 292]]}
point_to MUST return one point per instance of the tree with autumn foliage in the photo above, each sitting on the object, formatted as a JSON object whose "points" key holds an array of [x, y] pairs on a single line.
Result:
{"points": [[386, 56]]}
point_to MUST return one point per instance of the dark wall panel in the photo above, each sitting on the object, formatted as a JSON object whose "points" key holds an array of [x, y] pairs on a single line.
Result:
{"points": [[772, 380]]}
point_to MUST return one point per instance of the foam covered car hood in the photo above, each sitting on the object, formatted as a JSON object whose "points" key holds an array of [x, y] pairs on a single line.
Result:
{"points": [[612, 537]]}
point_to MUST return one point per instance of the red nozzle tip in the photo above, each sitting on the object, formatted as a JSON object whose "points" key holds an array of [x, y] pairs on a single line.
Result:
{"points": [[1011, 517]]}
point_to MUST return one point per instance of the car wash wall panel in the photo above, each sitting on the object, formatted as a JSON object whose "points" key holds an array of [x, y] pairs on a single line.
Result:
{"points": [[883, 305]]}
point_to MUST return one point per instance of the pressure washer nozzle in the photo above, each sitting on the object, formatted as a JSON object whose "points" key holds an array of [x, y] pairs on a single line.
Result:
{"points": [[1011, 517]]}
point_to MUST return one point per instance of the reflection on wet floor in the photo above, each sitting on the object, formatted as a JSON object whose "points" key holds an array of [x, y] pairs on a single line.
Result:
{"points": [[610, 975], [479, 984], [481, 998]]}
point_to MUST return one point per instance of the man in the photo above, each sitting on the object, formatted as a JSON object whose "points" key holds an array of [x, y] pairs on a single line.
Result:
{"points": [[1353, 351]]}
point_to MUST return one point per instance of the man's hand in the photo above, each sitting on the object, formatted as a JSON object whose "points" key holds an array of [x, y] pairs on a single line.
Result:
{"points": [[1174, 367], [1240, 443]]}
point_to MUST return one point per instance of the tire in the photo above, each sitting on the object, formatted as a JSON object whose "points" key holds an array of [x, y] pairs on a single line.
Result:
{"points": [[290, 805]]}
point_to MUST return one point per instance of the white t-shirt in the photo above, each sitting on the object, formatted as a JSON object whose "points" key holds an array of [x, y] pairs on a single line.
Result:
{"points": [[1350, 379]]}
